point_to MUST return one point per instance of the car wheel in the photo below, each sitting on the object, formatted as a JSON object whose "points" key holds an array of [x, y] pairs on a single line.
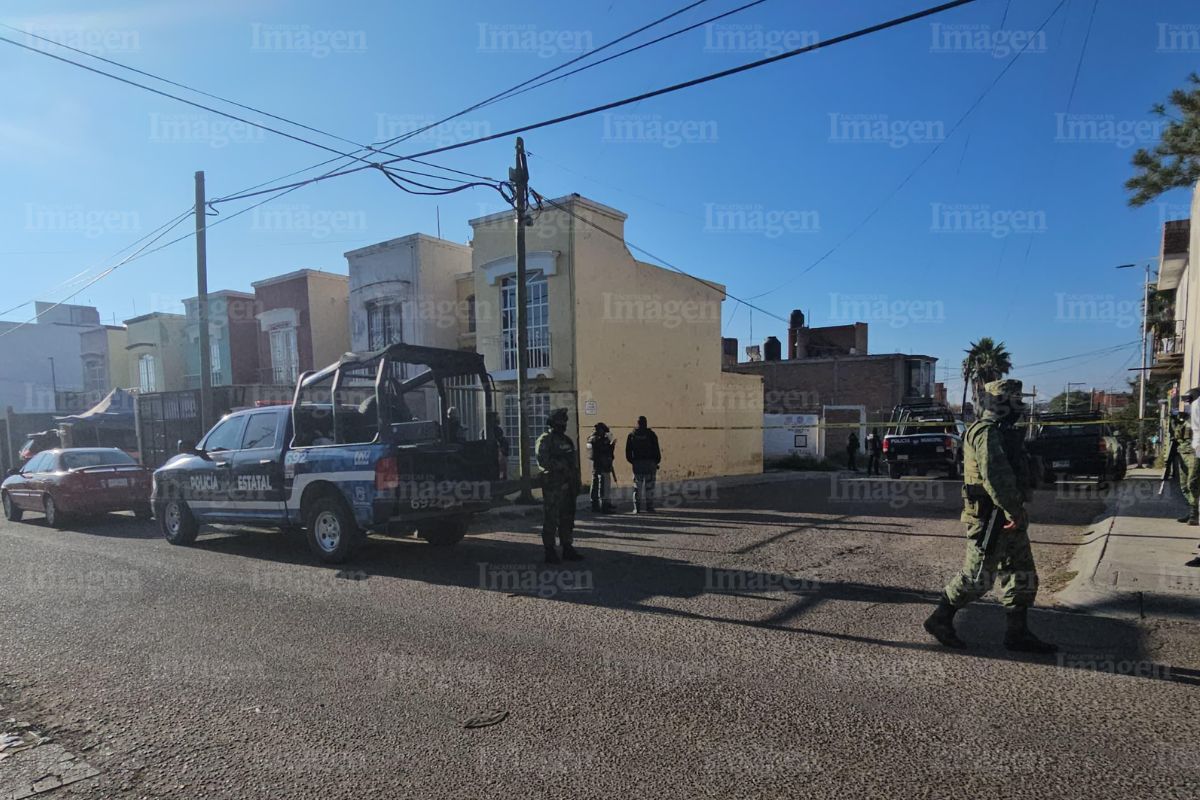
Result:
{"points": [[894, 471], [54, 516], [332, 532], [142, 511], [177, 523], [12, 512], [444, 532]]}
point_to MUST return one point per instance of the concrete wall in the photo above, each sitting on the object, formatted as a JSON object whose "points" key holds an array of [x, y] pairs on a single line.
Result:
{"points": [[329, 314], [25, 352], [118, 356], [1187, 303]]}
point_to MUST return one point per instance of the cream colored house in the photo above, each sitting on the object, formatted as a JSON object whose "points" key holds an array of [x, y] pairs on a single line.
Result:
{"points": [[612, 338]]}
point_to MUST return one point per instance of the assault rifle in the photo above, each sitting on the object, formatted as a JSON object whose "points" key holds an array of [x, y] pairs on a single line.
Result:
{"points": [[1171, 466]]}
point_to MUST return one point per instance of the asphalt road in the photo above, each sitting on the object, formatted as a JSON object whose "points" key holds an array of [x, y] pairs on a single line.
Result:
{"points": [[761, 641]]}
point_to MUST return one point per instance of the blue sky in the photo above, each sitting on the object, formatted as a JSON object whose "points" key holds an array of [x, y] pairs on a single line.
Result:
{"points": [[1010, 228]]}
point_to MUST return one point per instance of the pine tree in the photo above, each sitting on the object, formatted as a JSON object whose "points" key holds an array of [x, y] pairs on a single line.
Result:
{"points": [[1175, 160]]}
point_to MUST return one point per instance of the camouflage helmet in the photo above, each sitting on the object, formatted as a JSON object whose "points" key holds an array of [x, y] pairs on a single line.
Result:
{"points": [[1004, 388], [558, 415], [1003, 397]]}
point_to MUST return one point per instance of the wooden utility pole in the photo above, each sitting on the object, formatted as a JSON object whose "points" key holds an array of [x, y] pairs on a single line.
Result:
{"points": [[206, 400], [519, 175]]}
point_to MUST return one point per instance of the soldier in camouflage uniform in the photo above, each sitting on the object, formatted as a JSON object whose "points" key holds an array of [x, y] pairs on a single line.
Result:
{"points": [[558, 463], [1189, 475], [995, 478]]}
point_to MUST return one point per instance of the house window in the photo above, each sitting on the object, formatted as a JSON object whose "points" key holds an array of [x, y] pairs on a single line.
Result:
{"points": [[285, 360], [95, 376], [214, 362], [147, 374], [538, 317], [539, 409], [383, 325]]}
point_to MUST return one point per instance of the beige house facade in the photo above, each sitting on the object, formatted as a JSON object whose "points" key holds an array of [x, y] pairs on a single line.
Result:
{"points": [[611, 338]]}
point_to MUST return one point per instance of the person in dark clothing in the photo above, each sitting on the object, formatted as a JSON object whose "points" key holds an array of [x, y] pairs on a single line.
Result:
{"points": [[601, 450], [852, 450], [642, 451], [874, 451], [496, 432]]}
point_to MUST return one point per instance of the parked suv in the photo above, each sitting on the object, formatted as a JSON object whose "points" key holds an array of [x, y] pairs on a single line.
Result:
{"points": [[1079, 443], [386, 441], [922, 437]]}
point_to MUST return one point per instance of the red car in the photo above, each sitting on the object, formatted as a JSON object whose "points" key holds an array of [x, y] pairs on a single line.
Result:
{"points": [[77, 481]]}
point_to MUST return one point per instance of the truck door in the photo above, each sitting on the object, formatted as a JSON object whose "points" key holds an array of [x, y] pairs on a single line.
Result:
{"points": [[210, 483], [258, 468]]}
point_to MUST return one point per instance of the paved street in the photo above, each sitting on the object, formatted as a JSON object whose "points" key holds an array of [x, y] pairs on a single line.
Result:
{"points": [[759, 641]]}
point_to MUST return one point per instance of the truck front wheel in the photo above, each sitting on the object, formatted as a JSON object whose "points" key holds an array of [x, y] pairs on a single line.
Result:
{"points": [[332, 531], [446, 531], [177, 523]]}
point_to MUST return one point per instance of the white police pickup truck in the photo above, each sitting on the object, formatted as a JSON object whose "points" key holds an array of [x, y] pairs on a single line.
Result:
{"points": [[399, 439]]}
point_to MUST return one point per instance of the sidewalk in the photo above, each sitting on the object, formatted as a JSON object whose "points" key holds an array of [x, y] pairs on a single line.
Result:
{"points": [[623, 498], [1137, 560]]}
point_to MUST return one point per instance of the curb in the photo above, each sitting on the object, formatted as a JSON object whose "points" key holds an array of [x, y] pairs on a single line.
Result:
{"points": [[1086, 595]]}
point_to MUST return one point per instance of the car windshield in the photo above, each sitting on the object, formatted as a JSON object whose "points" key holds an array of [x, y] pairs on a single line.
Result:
{"points": [[94, 458]]}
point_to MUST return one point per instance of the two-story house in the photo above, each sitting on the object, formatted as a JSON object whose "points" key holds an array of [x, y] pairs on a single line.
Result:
{"points": [[303, 323], [611, 338], [403, 290], [156, 352]]}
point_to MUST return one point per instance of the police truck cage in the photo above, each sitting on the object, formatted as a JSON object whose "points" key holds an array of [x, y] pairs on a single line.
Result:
{"points": [[430, 404]]}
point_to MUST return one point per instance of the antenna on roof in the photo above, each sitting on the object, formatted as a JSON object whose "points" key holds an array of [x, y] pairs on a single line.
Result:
{"points": [[438, 209]]}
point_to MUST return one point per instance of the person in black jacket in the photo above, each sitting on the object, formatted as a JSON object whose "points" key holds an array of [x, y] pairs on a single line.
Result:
{"points": [[642, 451], [601, 450]]}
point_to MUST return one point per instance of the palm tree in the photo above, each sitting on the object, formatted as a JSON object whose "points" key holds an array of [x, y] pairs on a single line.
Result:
{"points": [[986, 361]]}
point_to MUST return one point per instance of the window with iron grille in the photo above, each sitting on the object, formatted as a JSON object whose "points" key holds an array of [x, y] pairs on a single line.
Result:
{"points": [[537, 305], [538, 408], [147, 375], [383, 324], [285, 360]]}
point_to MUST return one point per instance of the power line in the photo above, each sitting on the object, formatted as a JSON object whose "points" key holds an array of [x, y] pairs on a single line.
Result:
{"points": [[646, 95], [627, 51], [920, 164], [892, 23], [707, 284], [1101, 351], [339, 153], [513, 89], [165, 229]]}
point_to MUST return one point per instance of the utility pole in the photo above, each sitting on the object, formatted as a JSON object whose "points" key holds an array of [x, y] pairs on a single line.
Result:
{"points": [[519, 175], [53, 385], [1142, 371], [206, 400]]}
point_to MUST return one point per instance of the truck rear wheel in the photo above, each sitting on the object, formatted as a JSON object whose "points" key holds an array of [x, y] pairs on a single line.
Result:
{"points": [[446, 531], [333, 534]]}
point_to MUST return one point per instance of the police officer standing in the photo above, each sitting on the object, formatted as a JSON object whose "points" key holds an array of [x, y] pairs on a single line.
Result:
{"points": [[996, 486], [558, 463], [1189, 476], [643, 453], [874, 451], [601, 451]]}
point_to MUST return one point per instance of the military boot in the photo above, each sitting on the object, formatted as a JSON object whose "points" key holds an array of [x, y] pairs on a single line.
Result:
{"points": [[571, 554], [1184, 518], [1194, 519], [940, 625], [1020, 639]]}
